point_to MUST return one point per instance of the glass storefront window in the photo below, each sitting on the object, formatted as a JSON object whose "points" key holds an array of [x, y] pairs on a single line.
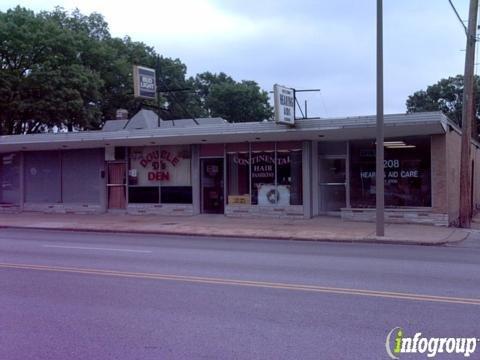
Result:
{"points": [[407, 172], [143, 195], [238, 173], [160, 174], [176, 194], [289, 173], [263, 174]]}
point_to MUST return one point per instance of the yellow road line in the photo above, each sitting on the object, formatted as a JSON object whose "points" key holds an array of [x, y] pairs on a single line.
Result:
{"points": [[233, 282]]}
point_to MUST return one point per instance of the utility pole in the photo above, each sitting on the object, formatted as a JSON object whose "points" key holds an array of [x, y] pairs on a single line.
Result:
{"points": [[467, 119], [380, 172]]}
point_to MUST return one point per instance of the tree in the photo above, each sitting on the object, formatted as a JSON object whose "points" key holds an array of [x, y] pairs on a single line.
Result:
{"points": [[446, 96], [43, 80], [64, 69], [177, 91], [234, 101]]}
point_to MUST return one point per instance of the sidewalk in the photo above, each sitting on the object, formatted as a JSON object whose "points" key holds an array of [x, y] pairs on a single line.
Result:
{"points": [[316, 229]]}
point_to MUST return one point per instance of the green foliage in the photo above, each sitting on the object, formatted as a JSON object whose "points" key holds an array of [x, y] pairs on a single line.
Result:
{"points": [[446, 96], [221, 96], [65, 69], [44, 81]]}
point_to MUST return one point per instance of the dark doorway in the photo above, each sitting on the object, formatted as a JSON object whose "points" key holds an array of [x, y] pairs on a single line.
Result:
{"points": [[212, 185]]}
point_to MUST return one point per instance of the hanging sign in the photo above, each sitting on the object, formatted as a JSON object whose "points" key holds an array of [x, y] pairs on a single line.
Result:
{"points": [[284, 101], [144, 82]]}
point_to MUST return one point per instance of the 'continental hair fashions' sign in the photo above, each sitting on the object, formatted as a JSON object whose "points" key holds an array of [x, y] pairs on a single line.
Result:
{"points": [[144, 85], [284, 101]]}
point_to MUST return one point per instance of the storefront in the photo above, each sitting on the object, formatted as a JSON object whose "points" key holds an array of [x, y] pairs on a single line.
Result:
{"points": [[185, 167]]}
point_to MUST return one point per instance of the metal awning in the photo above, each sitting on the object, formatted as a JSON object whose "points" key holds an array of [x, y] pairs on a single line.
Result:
{"points": [[349, 128]]}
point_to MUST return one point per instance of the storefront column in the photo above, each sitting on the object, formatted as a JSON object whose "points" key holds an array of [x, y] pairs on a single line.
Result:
{"points": [[103, 182], [307, 179], [315, 182], [22, 180], [195, 179], [347, 177]]}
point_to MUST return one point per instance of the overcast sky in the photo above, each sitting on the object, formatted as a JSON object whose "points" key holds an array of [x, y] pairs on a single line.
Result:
{"points": [[326, 44]]}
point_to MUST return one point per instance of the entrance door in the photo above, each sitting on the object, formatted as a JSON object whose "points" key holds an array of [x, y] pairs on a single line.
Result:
{"points": [[332, 175], [116, 185], [212, 185]]}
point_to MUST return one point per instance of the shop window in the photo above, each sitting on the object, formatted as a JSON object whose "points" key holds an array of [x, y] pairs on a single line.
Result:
{"points": [[264, 174], [10, 178], [176, 194], [407, 172], [262, 161], [238, 173], [289, 173], [143, 195], [120, 152], [166, 168]]}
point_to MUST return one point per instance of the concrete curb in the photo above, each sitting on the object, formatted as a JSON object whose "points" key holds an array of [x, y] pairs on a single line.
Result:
{"points": [[348, 240]]}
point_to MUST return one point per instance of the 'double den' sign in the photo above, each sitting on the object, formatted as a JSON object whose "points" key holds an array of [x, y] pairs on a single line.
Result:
{"points": [[153, 165], [157, 159]]}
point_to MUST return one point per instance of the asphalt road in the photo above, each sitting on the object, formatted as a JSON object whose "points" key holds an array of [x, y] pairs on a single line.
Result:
{"points": [[66, 295]]}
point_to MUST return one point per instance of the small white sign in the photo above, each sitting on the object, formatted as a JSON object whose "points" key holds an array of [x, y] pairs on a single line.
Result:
{"points": [[284, 101]]}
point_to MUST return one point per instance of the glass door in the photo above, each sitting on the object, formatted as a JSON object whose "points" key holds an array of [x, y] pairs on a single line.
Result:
{"points": [[332, 176], [212, 185]]}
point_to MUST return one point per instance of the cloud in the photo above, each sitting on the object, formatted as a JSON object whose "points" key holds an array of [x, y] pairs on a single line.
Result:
{"points": [[304, 44]]}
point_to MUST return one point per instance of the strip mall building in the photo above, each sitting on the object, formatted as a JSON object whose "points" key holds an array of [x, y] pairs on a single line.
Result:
{"points": [[144, 165]]}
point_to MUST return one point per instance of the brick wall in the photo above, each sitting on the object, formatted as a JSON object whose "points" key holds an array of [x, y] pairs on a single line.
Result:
{"points": [[64, 208], [292, 211], [439, 178], [401, 216], [9, 208], [476, 178], [160, 209], [453, 150]]}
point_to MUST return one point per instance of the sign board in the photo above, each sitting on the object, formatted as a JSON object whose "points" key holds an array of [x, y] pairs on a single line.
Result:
{"points": [[144, 82], [155, 165], [269, 194], [284, 101], [239, 199]]}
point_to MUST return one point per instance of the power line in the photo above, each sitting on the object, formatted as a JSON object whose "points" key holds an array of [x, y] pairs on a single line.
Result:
{"points": [[172, 93], [458, 17]]}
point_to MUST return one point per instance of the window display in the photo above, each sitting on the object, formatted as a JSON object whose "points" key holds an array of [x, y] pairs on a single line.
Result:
{"points": [[269, 174], [289, 172], [160, 174], [407, 172], [238, 173], [262, 162]]}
